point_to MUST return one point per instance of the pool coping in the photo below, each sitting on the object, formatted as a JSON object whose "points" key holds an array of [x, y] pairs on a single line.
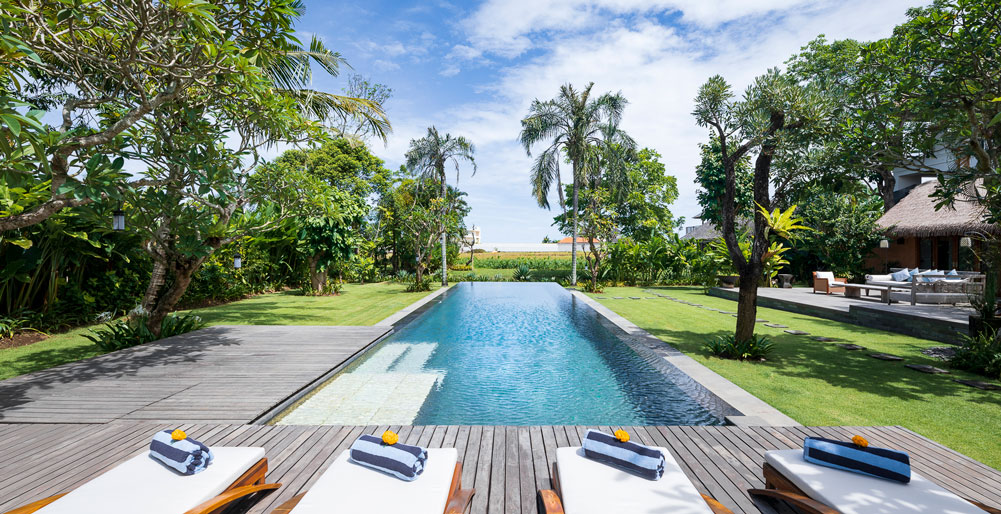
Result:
{"points": [[753, 410]]}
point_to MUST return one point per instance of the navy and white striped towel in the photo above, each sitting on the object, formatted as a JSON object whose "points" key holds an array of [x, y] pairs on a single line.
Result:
{"points": [[400, 460], [634, 458], [876, 462], [186, 456]]}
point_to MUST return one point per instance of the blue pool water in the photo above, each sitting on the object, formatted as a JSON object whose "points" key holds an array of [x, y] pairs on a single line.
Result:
{"points": [[512, 354]]}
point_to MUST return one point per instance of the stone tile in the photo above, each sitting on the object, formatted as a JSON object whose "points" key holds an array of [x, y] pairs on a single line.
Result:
{"points": [[796, 332], [822, 339], [886, 357], [776, 325], [851, 347], [986, 386], [924, 368]]}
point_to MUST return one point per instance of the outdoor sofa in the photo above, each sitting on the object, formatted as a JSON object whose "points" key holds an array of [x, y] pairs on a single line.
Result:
{"points": [[815, 489], [826, 282], [585, 486], [350, 487], [141, 484], [931, 286]]}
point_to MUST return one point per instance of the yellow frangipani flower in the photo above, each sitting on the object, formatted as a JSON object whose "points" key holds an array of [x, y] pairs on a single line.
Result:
{"points": [[389, 437], [178, 434], [622, 435], [860, 441]]}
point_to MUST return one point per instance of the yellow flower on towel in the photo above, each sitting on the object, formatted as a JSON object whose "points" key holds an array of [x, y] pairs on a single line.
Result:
{"points": [[178, 434], [860, 441], [389, 437], [622, 436]]}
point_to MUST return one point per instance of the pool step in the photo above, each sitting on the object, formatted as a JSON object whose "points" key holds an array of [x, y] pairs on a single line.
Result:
{"points": [[366, 399]]}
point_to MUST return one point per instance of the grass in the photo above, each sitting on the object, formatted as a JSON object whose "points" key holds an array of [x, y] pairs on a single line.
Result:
{"points": [[358, 304], [817, 383]]}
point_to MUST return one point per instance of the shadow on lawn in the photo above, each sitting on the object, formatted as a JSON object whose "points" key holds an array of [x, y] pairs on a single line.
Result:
{"points": [[801, 357], [151, 359]]}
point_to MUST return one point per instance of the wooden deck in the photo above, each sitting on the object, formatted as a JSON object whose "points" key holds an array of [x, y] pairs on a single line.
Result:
{"points": [[506, 465], [222, 374]]}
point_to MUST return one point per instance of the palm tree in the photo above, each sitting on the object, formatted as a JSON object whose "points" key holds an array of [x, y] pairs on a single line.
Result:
{"points": [[291, 72], [572, 123], [428, 156]]}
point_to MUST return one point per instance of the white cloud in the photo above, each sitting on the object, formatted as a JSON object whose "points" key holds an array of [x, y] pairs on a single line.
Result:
{"points": [[621, 45]]}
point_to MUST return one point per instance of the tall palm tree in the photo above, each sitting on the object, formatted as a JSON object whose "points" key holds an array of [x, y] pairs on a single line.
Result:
{"points": [[292, 74], [571, 123], [427, 157]]}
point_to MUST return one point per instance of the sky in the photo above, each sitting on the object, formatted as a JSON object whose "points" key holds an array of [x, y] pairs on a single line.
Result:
{"points": [[472, 69]]}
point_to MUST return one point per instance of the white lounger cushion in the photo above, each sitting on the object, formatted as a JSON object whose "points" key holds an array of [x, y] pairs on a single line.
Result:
{"points": [[588, 486], [142, 484], [349, 487], [852, 493]]}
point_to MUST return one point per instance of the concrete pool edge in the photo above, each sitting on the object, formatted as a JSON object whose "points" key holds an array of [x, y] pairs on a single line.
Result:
{"points": [[753, 410]]}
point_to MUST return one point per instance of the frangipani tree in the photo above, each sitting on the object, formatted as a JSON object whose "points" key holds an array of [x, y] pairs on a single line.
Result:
{"points": [[428, 157], [771, 111]]}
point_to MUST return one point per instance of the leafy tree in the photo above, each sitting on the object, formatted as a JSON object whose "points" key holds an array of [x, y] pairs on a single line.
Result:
{"points": [[351, 127], [773, 108], [427, 217], [597, 225], [844, 230], [571, 124], [347, 166], [643, 200], [330, 240], [427, 158], [711, 176]]}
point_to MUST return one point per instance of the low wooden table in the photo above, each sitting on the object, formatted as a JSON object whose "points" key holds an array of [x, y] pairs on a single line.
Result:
{"points": [[855, 291]]}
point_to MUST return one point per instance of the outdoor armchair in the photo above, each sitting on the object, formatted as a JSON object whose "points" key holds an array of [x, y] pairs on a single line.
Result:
{"points": [[141, 484], [815, 489], [583, 486], [825, 282], [350, 487]]}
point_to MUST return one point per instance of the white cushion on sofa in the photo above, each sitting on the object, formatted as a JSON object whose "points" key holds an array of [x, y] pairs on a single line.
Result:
{"points": [[144, 485], [852, 493], [349, 487], [588, 486]]}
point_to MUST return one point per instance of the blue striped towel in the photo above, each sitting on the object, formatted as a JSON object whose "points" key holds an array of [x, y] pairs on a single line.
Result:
{"points": [[876, 462], [634, 458], [186, 456], [400, 460]]}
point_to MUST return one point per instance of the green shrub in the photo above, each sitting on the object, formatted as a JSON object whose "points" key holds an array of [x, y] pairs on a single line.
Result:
{"points": [[538, 263], [727, 347], [596, 288], [980, 354], [10, 326], [126, 333], [417, 286], [402, 276], [522, 273], [460, 267]]}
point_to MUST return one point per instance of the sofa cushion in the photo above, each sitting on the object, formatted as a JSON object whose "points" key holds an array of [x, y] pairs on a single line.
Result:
{"points": [[590, 487], [142, 484], [901, 276], [828, 275], [852, 493]]}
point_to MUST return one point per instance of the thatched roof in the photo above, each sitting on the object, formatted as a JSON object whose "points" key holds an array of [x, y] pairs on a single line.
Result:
{"points": [[915, 216]]}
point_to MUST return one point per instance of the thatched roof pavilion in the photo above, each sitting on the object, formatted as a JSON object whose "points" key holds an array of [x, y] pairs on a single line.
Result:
{"points": [[915, 216]]}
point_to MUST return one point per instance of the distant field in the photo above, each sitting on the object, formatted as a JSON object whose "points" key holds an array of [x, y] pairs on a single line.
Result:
{"points": [[520, 255]]}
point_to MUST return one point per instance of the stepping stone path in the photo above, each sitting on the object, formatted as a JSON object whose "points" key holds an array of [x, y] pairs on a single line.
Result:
{"points": [[796, 332], [635, 298], [761, 321], [924, 368], [851, 347], [727, 312], [650, 298], [776, 325], [601, 297], [618, 298], [886, 357], [986, 386], [825, 339]]}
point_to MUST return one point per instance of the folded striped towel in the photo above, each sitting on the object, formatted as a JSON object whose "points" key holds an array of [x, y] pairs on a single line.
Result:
{"points": [[635, 458], [185, 455], [400, 460], [848, 456]]}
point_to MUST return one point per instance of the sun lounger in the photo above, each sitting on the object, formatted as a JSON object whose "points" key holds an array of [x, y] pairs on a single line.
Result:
{"points": [[349, 487], [144, 485], [816, 489], [585, 486]]}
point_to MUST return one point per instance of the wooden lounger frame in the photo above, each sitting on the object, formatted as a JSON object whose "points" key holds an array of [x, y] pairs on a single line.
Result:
{"points": [[251, 482], [778, 487], [549, 499], [458, 498]]}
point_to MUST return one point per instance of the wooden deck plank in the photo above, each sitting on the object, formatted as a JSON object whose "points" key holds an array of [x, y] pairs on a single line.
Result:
{"points": [[507, 465]]}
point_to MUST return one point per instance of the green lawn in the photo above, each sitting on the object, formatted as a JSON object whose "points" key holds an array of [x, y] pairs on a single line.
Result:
{"points": [[358, 304], [817, 383]]}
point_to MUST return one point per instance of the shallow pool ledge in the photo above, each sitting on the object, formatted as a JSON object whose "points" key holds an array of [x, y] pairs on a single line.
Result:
{"points": [[753, 410]]}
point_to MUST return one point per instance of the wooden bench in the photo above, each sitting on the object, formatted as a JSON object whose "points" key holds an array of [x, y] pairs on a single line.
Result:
{"points": [[855, 291]]}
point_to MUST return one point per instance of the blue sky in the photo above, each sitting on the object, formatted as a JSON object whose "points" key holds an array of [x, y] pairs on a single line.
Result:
{"points": [[473, 68]]}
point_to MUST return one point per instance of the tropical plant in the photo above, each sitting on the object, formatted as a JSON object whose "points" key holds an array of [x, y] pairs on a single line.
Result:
{"points": [[728, 347], [782, 223], [522, 273], [134, 331], [427, 157], [571, 124], [419, 284], [980, 354], [844, 232]]}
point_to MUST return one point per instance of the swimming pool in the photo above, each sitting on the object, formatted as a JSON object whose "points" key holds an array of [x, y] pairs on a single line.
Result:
{"points": [[503, 354]]}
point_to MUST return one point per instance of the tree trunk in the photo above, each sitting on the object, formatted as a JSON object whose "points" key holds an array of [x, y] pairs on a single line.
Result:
{"points": [[156, 280], [168, 300], [747, 304], [444, 234], [396, 253], [573, 242], [887, 183], [317, 279]]}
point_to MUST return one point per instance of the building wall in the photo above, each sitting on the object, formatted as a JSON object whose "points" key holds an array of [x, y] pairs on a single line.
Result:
{"points": [[906, 253]]}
